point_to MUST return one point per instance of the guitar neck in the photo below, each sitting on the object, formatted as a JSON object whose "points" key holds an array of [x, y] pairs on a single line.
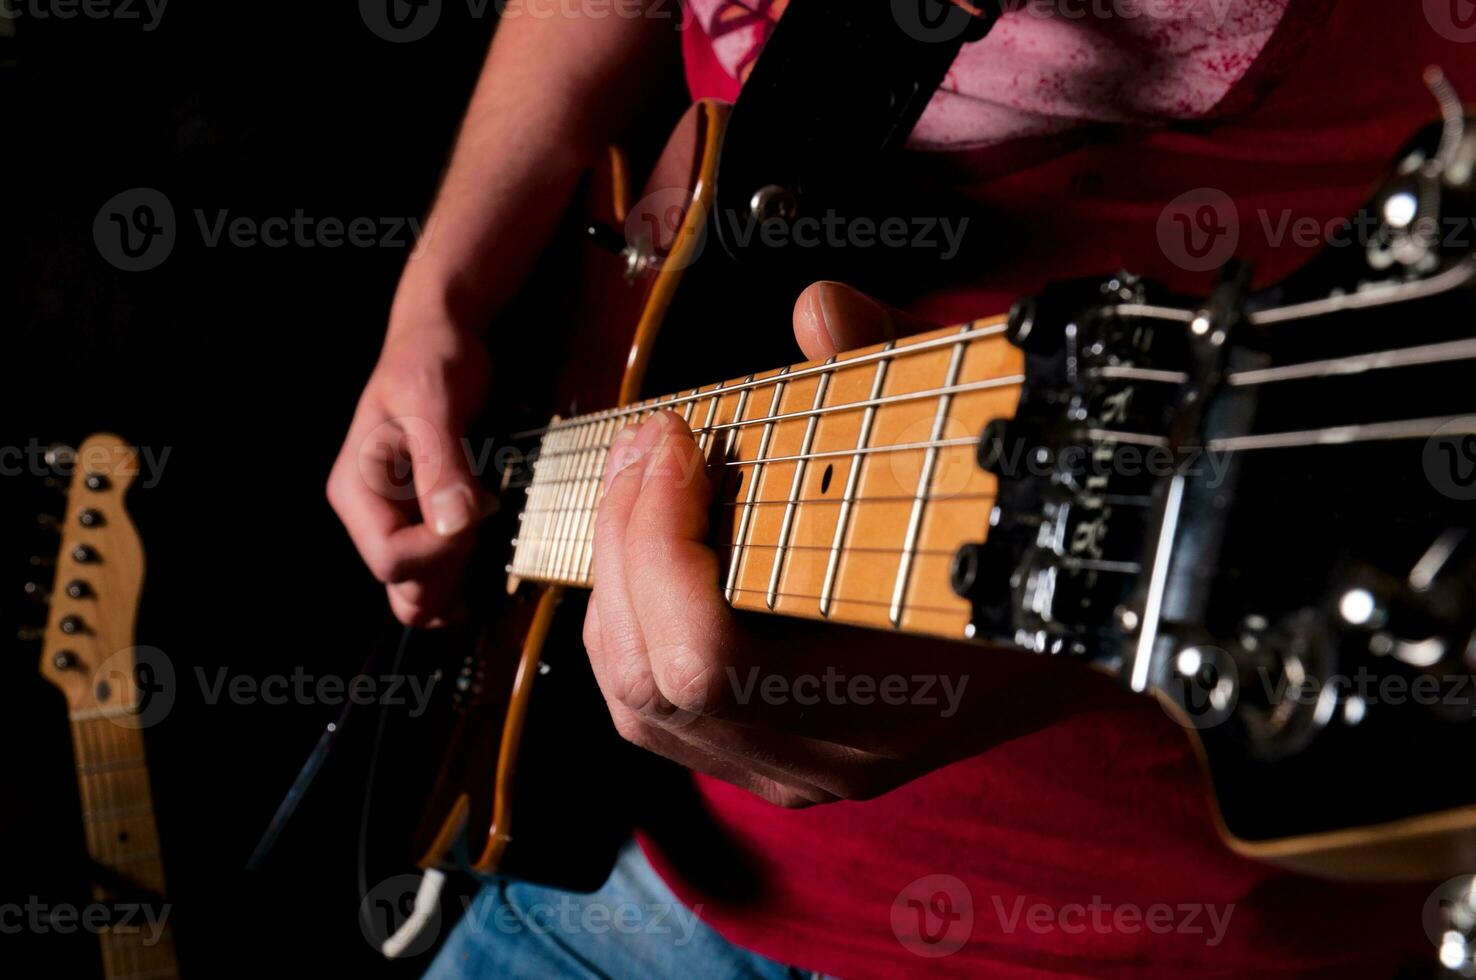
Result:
{"points": [[844, 487], [123, 844]]}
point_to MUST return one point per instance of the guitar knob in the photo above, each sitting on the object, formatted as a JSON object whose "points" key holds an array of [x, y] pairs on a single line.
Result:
{"points": [[64, 660], [71, 625], [90, 518], [84, 554]]}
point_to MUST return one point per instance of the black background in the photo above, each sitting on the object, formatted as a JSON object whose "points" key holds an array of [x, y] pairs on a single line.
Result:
{"points": [[244, 364]]}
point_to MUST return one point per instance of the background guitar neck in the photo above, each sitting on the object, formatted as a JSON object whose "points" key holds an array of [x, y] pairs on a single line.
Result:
{"points": [[844, 487], [88, 653]]}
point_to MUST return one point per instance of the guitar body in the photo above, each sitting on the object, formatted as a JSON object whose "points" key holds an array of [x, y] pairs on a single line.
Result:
{"points": [[560, 813]]}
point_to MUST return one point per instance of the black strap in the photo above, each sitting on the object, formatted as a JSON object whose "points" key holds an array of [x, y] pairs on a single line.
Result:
{"points": [[838, 88]]}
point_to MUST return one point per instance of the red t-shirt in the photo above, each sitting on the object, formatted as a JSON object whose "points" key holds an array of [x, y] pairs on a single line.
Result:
{"points": [[1080, 848]]}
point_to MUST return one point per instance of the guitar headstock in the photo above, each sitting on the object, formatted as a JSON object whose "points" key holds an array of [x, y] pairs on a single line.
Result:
{"points": [[87, 645], [1261, 506]]}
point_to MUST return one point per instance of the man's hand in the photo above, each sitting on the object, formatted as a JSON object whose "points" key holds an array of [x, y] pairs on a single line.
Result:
{"points": [[684, 677], [414, 529]]}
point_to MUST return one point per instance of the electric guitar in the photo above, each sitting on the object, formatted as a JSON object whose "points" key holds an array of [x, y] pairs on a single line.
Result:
{"points": [[88, 653], [1253, 505]]}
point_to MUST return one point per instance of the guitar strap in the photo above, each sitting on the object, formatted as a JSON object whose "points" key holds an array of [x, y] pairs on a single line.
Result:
{"points": [[838, 88]]}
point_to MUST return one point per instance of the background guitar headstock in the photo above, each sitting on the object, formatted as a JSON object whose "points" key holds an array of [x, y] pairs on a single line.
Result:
{"points": [[87, 645]]}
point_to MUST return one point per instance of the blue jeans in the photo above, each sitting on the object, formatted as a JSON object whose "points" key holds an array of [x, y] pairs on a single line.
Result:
{"points": [[633, 927]]}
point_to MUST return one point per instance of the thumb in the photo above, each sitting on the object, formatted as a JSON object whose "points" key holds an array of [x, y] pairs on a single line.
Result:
{"points": [[445, 488], [831, 318]]}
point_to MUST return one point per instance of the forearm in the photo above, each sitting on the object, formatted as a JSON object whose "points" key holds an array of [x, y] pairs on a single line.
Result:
{"points": [[554, 92]]}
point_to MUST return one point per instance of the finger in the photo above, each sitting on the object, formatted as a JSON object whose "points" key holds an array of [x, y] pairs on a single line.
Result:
{"points": [[619, 658], [449, 495], [686, 624], [832, 318], [377, 507]]}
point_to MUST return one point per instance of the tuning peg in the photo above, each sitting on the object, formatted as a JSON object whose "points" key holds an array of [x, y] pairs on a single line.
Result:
{"points": [[61, 458], [30, 634], [36, 592], [48, 522], [41, 561], [54, 483]]}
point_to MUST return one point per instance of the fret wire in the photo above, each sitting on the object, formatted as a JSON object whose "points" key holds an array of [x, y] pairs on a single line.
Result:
{"points": [[852, 549], [580, 509], [732, 439], [538, 497], [901, 447], [583, 436], [705, 438], [853, 479], [1003, 381], [924, 481], [901, 498], [571, 469], [550, 489], [592, 498], [593, 468], [687, 411], [859, 602], [735, 559], [972, 332], [787, 522]]}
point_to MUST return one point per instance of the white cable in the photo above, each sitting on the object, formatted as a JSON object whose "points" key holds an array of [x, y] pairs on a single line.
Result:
{"points": [[427, 903]]}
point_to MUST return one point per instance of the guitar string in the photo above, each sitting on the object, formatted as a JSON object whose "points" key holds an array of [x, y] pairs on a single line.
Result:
{"points": [[984, 384], [668, 401]]}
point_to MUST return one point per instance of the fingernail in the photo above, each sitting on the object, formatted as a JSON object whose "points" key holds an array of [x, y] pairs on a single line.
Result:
{"points": [[450, 510], [623, 454], [853, 319], [654, 454]]}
